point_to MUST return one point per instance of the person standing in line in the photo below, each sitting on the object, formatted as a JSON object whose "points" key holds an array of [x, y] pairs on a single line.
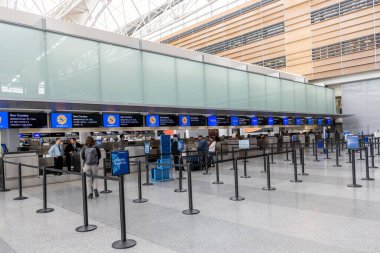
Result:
{"points": [[91, 155], [56, 151], [175, 151], [202, 150], [211, 150], [70, 149]]}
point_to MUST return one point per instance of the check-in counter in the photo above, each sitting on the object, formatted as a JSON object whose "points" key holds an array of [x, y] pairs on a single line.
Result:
{"points": [[24, 157]]}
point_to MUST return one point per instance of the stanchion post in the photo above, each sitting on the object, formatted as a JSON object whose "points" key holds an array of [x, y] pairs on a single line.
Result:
{"points": [[105, 191], [147, 183], [295, 180], [286, 149], [272, 153], [265, 164], [44, 209], [367, 178], [86, 227], [378, 146], [269, 187], [373, 156], [302, 155], [233, 158], [20, 197], [350, 155], [314, 148], [354, 184], [140, 199], [360, 150], [217, 170], [2, 171], [206, 164], [236, 197], [245, 165], [337, 154], [123, 243], [191, 210], [180, 178]]}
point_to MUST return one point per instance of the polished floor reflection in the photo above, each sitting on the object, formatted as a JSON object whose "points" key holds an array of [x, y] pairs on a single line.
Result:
{"points": [[321, 214]]}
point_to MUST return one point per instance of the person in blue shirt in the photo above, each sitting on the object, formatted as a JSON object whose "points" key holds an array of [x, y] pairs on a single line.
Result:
{"points": [[56, 151], [202, 149]]}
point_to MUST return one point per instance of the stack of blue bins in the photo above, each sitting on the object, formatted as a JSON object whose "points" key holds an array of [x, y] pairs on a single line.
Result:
{"points": [[164, 172]]}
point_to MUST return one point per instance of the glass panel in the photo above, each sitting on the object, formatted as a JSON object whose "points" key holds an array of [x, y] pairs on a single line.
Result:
{"points": [[273, 91], [159, 79], [22, 64], [190, 83], [321, 100], [238, 89], [299, 97], [257, 91], [330, 101], [311, 99], [73, 67], [216, 86], [287, 95], [121, 75]]}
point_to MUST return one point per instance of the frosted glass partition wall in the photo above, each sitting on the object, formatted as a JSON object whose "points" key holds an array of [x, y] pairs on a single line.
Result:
{"points": [[36, 65]]}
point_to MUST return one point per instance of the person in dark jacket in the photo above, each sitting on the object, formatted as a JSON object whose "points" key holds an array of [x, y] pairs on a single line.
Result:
{"points": [[70, 149], [202, 149], [175, 151], [91, 155]]}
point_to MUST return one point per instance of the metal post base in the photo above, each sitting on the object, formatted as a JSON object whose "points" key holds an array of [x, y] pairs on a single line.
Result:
{"points": [[374, 167], [140, 200], [237, 198], [183, 178], [20, 198], [4, 190], [45, 210], [269, 189], [206, 173], [295, 181], [129, 243], [354, 185], [191, 212], [348, 162], [316, 160], [180, 190], [218, 182], [360, 159], [368, 179], [327, 158], [303, 174], [287, 160], [245, 177], [105, 192], [336, 166], [86, 228], [263, 171], [147, 184]]}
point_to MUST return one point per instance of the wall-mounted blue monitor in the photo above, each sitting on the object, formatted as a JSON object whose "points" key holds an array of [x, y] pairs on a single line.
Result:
{"points": [[61, 120], [240, 121], [212, 121], [329, 122], [311, 121], [218, 121], [270, 121], [285, 121], [152, 120], [184, 120], [254, 121], [3, 120], [320, 122], [111, 120]]}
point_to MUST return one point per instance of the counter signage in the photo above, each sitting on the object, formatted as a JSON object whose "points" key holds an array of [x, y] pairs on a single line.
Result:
{"points": [[311, 121], [240, 121], [27, 120], [234, 121], [184, 120], [131, 120], [3, 120], [328, 122], [254, 121], [300, 121], [261, 121], [197, 120], [285, 121], [152, 120], [168, 120], [61, 120], [277, 121], [120, 163], [86, 120], [320, 122], [270, 121], [40, 135], [223, 121], [111, 120], [212, 121], [290, 121], [57, 135], [26, 135], [243, 144]]}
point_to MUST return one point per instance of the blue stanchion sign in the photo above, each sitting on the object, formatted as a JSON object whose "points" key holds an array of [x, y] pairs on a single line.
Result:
{"points": [[120, 163], [366, 139], [320, 144], [181, 145], [147, 147], [352, 142]]}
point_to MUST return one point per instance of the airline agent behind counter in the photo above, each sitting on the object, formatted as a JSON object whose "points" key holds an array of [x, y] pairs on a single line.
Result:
{"points": [[56, 151]]}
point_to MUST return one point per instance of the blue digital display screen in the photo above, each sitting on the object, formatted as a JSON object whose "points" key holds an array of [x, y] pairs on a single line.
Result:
{"points": [[270, 121], [310, 121], [184, 120], [212, 121], [329, 122], [36, 135], [152, 120], [285, 121], [320, 122], [254, 121], [61, 120], [298, 121], [111, 120], [4, 120], [234, 121]]}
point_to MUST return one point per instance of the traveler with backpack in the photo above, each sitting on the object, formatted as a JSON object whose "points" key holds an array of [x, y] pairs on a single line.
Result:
{"points": [[91, 155]]}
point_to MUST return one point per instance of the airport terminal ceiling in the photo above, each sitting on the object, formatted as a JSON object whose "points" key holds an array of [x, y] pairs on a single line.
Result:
{"points": [[136, 18]]}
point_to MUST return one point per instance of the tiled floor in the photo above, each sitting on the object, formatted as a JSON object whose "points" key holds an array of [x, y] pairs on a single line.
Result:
{"points": [[320, 214]]}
